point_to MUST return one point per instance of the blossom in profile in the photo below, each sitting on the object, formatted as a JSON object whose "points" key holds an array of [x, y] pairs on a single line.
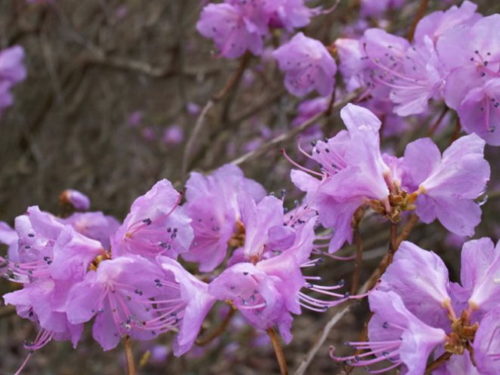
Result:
{"points": [[352, 173], [355, 174], [307, 65]]}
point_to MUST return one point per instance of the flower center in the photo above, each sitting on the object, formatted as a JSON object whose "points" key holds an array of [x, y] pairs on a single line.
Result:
{"points": [[461, 336], [106, 255], [238, 238]]}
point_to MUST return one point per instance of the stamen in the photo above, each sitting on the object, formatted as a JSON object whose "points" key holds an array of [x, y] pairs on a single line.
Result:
{"points": [[293, 162]]}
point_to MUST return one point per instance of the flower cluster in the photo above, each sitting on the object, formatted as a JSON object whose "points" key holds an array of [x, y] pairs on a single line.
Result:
{"points": [[237, 26], [453, 58], [12, 71], [226, 241], [354, 174], [422, 316], [124, 277]]}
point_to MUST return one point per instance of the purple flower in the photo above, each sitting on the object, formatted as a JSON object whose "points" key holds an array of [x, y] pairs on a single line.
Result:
{"points": [[76, 199], [43, 303], [308, 66], [448, 184], [94, 225], [12, 69], [479, 111], [310, 108], [50, 257], [128, 295], [289, 14], [353, 62], [234, 27], [173, 135], [436, 24], [267, 292], [427, 292], [397, 335], [155, 225], [447, 317], [49, 248], [421, 78], [213, 204], [353, 172]]}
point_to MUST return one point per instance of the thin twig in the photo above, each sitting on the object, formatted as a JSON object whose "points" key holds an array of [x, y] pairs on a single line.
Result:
{"points": [[129, 356], [7, 311], [422, 8], [493, 195], [218, 331], [438, 362], [276, 141], [194, 136], [408, 227], [278, 350], [436, 124], [368, 285], [358, 263]]}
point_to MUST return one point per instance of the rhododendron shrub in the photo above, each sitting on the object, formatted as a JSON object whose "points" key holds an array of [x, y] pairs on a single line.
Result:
{"points": [[343, 165]]}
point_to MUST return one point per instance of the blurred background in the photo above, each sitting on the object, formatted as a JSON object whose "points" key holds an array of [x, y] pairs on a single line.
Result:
{"points": [[113, 93]]}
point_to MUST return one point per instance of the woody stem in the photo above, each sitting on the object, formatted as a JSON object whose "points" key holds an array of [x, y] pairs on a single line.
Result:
{"points": [[129, 356], [358, 261], [278, 350], [218, 331], [438, 362]]}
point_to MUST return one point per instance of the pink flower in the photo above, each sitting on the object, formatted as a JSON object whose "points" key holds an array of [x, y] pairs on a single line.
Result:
{"points": [[308, 66]]}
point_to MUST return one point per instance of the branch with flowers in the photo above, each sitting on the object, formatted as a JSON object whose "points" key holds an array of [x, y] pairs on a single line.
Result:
{"points": [[189, 264]]}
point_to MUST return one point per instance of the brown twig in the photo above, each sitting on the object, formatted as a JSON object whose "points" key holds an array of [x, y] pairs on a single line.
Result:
{"points": [[368, 285], [422, 8], [278, 350], [129, 356], [358, 263], [193, 138], [434, 126], [218, 331], [276, 141], [408, 227], [438, 362], [7, 311]]}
